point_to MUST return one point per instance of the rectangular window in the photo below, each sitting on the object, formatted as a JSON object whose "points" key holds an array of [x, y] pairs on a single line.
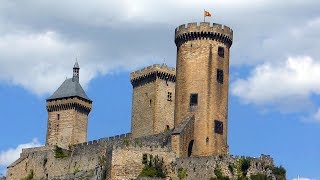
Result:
{"points": [[218, 127], [221, 51], [220, 76], [58, 116], [193, 99], [169, 96]]}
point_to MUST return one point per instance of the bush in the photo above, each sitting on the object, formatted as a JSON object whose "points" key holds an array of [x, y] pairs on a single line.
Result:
{"points": [[219, 175], [279, 172], [259, 177], [182, 173], [30, 175], [153, 167], [59, 153], [242, 167]]}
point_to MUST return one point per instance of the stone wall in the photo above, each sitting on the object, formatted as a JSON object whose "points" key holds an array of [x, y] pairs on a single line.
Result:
{"points": [[182, 137], [91, 158], [203, 167], [120, 157], [143, 107], [127, 161]]}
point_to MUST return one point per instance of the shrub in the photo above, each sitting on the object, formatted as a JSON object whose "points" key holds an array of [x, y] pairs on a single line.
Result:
{"points": [[30, 175], [153, 168], [259, 177], [279, 172], [242, 166], [219, 175], [231, 167], [126, 141], [59, 153], [182, 173]]}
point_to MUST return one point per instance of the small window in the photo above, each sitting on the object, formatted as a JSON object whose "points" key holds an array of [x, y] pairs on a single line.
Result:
{"points": [[218, 127], [58, 116], [167, 127], [150, 102], [193, 99], [221, 51], [169, 96], [220, 76]]}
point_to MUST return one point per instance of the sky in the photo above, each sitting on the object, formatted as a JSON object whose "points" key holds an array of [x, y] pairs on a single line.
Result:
{"points": [[274, 102]]}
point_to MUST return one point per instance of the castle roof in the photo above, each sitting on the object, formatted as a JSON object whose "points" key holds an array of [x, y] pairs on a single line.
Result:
{"points": [[69, 88]]}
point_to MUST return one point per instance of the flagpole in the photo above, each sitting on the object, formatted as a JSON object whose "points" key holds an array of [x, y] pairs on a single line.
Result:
{"points": [[204, 15]]}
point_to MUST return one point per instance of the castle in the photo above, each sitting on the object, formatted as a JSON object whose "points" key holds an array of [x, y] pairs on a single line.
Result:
{"points": [[178, 115]]}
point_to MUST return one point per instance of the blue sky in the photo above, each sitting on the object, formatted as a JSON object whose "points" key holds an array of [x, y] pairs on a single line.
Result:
{"points": [[274, 105]]}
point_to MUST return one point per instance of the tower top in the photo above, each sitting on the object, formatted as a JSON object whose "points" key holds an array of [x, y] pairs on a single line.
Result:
{"points": [[151, 73], [205, 30], [76, 65], [70, 87]]}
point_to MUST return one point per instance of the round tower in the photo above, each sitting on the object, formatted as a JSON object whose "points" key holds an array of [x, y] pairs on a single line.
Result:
{"points": [[202, 85]]}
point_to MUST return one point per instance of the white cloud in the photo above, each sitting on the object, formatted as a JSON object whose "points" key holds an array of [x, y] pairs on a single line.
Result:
{"points": [[38, 45], [289, 83], [303, 178], [10, 155], [316, 116], [39, 62]]}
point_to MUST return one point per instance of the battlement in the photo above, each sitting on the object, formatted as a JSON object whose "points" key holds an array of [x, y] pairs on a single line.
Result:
{"points": [[156, 67], [150, 73], [204, 30]]}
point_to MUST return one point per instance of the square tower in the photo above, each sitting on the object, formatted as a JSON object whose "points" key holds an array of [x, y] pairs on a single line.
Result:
{"points": [[68, 109], [152, 100]]}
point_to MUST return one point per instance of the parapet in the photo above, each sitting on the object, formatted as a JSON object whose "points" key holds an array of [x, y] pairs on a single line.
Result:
{"points": [[150, 74], [205, 30]]}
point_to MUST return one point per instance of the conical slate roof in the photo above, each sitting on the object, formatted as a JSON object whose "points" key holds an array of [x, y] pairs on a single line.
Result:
{"points": [[69, 88]]}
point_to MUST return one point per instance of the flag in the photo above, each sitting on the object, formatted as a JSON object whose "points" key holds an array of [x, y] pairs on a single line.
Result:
{"points": [[207, 13]]}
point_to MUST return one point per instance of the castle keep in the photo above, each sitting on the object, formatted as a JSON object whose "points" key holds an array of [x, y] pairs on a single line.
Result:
{"points": [[202, 85], [179, 116]]}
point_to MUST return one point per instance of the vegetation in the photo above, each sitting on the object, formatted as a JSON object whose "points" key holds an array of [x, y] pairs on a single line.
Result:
{"points": [[182, 173], [231, 168], [59, 153], [242, 167], [29, 176], [152, 167], [126, 141], [259, 177], [219, 175], [279, 172], [76, 170]]}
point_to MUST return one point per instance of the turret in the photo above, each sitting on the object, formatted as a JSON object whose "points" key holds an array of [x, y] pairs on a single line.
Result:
{"points": [[68, 109]]}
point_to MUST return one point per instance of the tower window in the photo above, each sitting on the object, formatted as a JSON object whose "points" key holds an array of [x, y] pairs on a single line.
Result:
{"points": [[218, 127], [193, 99], [150, 102], [169, 96], [220, 76], [221, 51], [58, 116]]}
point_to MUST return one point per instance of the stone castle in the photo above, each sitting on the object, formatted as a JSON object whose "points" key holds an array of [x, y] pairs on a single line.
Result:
{"points": [[178, 115]]}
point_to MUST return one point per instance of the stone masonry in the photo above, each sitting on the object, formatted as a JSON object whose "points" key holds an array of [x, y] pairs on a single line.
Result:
{"points": [[152, 100], [202, 84]]}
